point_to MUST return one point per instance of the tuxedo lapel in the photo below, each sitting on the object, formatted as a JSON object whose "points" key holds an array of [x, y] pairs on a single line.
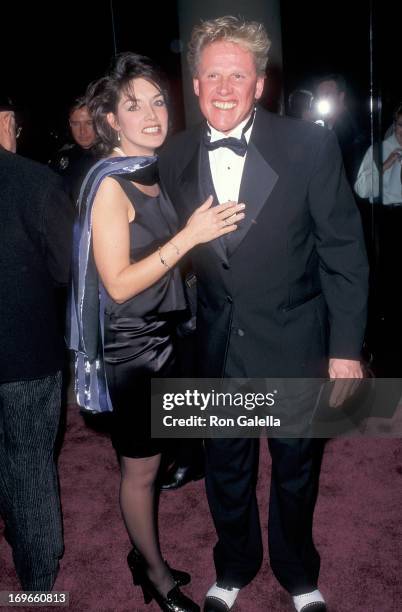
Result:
{"points": [[207, 189], [258, 181], [188, 186], [167, 210], [196, 185]]}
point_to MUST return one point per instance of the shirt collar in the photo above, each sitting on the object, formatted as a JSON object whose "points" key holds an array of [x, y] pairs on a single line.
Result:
{"points": [[394, 141], [235, 133]]}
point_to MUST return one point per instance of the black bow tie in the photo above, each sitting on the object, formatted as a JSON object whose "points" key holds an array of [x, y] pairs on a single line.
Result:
{"points": [[237, 145]]}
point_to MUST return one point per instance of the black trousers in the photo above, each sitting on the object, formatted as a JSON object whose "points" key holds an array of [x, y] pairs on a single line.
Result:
{"points": [[231, 475], [29, 492]]}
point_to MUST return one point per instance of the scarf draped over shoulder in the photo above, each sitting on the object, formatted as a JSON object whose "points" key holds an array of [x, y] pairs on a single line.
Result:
{"points": [[86, 299]]}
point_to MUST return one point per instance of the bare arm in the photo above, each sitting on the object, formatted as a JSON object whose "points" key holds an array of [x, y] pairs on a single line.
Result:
{"points": [[111, 240]]}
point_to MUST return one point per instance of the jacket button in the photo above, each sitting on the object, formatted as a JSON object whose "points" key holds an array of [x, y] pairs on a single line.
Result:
{"points": [[229, 299], [225, 266], [240, 332]]}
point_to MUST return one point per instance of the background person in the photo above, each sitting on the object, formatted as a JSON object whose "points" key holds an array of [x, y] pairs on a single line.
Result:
{"points": [[386, 294], [74, 160], [331, 89], [300, 104], [35, 245], [367, 182]]}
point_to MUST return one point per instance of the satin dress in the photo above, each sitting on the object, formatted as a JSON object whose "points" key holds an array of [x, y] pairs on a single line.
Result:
{"points": [[139, 335]]}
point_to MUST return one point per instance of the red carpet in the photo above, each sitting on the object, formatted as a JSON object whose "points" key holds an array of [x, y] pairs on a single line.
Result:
{"points": [[358, 530]]}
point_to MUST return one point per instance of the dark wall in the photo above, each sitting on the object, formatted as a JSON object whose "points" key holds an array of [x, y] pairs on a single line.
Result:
{"points": [[49, 55], [359, 39]]}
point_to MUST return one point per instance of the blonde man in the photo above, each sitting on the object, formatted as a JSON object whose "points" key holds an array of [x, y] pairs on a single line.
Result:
{"points": [[264, 294]]}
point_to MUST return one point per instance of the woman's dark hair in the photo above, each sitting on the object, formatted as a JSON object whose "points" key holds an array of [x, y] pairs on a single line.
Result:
{"points": [[102, 96]]}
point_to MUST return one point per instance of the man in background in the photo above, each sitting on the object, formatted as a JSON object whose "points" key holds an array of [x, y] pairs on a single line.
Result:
{"points": [[331, 103], [35, 245], [300, 104], [74, 159]]}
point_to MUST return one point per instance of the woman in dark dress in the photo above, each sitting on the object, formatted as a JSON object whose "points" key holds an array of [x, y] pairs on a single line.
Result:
{"points": [[128, 230]]}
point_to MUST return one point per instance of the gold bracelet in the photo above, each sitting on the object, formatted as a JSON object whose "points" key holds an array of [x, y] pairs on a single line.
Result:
{"points": [[175, 247], [163, 260]]}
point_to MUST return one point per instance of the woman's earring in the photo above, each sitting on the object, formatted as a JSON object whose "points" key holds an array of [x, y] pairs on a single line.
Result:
{"points": [[118, 136]]}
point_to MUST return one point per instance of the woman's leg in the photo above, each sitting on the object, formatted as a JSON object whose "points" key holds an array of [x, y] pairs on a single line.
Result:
{"points": [[137, 501]]}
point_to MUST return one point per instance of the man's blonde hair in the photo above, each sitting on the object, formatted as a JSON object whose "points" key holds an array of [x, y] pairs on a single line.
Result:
{"points": [[249, 34]]}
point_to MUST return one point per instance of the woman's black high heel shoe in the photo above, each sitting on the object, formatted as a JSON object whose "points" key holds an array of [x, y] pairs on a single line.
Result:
{"points": [[137, 565], [175, 600]]}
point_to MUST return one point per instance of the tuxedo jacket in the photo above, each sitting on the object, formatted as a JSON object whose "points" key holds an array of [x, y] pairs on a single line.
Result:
{"points": [[288, 288]]}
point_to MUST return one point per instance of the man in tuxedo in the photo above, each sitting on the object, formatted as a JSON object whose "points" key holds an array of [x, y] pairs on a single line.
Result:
{"points": [[284, 296]]}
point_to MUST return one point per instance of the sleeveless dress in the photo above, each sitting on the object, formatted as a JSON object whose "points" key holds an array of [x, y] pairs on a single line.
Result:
{"points": [[139, 335]]}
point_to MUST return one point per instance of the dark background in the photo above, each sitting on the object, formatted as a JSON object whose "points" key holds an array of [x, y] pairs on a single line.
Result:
{"points": [[49, 55]]}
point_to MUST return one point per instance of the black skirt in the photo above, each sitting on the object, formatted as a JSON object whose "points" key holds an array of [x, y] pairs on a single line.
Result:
{"points": [[137, 349]]}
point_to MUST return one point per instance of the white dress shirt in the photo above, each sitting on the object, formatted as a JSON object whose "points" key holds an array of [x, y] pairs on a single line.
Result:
{"points": [[226, 166], [367, 182]]}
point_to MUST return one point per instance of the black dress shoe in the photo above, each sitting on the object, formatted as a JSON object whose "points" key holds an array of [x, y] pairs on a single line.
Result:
{"points": [[175, 600], [310, 602], [220, 598], [181, 476], [137, 564]]}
